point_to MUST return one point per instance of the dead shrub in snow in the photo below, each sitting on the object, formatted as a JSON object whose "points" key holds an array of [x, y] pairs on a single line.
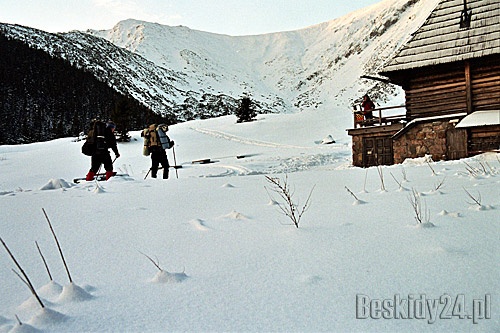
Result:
{"points": [[287, 205], [421, 213]]}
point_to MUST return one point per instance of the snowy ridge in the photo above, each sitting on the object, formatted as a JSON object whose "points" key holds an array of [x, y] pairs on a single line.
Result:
{"points": [[318, 65]]}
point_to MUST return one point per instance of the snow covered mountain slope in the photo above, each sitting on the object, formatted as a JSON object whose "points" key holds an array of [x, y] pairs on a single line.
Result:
{"points": [[318, 65], [126, 72], [187, 74]]}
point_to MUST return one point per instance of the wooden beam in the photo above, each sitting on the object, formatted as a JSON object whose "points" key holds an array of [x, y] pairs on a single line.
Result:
{"points": [[381, 79], [468, 87]]}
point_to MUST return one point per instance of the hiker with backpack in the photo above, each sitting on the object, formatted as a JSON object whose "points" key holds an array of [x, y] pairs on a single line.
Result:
{"points": [[156, 142], [100, 138]]}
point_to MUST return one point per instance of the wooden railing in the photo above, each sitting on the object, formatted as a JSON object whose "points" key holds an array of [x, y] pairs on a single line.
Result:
{"points": [[361, 121]]}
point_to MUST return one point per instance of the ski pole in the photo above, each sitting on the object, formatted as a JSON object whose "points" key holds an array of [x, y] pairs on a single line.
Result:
{"points": [[175, 162], [146, 176], [112, 162]]}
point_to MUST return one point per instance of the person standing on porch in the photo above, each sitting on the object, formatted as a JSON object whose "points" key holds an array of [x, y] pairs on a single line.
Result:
{"points": [[367, 106]]}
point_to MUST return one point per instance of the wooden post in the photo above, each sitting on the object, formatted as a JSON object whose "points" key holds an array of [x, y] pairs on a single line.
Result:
{"points": [[468, 87]]}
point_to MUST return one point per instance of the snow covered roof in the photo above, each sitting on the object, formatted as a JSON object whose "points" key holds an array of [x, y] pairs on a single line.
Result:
{"points": [[441, 39], [480, 118]]}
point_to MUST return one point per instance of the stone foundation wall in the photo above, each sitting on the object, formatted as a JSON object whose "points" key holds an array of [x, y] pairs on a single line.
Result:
{"points": [[423, 139], [357, 150]]}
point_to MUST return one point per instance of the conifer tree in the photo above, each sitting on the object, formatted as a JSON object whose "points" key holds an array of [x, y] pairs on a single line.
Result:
{"points": [[122, 116], [245, 112]]}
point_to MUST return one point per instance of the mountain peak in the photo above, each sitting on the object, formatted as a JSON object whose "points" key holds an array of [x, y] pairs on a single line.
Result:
{"points": [[310, 67]]}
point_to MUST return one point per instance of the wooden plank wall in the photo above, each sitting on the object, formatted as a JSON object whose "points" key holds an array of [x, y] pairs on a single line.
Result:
{"points": [[454, 88], [436, 91], [485, 82], [486, 138]]}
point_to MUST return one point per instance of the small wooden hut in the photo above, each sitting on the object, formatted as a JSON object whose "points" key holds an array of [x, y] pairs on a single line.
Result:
{"points": [[450, 72]]}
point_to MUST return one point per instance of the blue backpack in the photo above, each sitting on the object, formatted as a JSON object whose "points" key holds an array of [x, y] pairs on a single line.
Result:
{"points": [[163, 137]]}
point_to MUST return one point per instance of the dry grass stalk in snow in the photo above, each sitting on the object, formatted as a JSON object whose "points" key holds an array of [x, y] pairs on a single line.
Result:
{"points": [[403, 172], [400, 183], [381, 175], [432, 169], [476, 200], [58, 245], [44, 261], [24, 278], [439, 185], [351, 193], [156, 263]]}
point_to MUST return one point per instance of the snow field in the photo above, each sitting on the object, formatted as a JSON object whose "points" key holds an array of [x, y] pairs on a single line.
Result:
{"points": [[230, 261]]}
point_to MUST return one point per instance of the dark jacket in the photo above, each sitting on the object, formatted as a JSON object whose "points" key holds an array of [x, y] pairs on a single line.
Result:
{"points": [[110, 140], [367, 105]]}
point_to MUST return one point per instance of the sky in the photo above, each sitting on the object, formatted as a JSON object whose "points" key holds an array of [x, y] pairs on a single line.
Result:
{"points": [[231, 17]]}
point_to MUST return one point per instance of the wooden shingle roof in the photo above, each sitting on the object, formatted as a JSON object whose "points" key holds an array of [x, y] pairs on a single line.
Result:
{"points": [[441, 39]]}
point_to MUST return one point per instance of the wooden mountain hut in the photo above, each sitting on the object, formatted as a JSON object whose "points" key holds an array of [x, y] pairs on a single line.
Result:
{"points": [[450, 72]]}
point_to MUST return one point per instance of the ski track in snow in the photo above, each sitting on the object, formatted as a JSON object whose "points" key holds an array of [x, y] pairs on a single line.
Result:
{"points": [[232, 170], [239, 139], [272, 165]]}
